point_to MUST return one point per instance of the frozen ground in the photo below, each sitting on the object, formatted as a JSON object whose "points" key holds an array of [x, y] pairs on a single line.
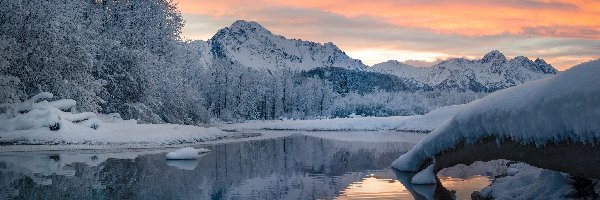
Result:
{"points": [[416, 123]]}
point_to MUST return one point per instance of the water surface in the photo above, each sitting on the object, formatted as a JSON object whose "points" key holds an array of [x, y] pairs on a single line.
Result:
{"points": [[292, 167]]}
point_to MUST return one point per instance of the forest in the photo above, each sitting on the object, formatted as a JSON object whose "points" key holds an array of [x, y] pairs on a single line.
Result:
{"points": [[128, 57]]}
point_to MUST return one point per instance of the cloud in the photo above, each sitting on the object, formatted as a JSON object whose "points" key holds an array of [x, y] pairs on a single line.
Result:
{"points": [[423, 63]]}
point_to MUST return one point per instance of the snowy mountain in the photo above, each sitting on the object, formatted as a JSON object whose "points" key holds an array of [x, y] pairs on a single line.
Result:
{"points": [[490, 73], [251, 45]]}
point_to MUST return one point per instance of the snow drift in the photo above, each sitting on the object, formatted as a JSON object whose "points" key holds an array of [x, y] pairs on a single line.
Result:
{"points": [[37, 113], [39, 121], [561, 108]]}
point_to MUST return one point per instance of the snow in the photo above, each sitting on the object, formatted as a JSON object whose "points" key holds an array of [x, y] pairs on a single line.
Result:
{"points": [[32, 114], [415, 123], [251, 45], [559, 108], [426, 176], [187, 153], [491, 168], [526, 182], [119, 132], [33, 122], [490, 73]]}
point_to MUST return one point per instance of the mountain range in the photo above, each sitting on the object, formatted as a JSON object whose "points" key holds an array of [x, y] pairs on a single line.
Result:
{"points": [[248, 44]]}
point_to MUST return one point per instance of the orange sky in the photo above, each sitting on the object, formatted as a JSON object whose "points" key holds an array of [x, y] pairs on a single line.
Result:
{"points": [[562, 32]]}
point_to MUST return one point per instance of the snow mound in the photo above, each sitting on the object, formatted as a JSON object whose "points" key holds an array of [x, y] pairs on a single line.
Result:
{"points": [[425, 176], [526, 182], [32, 114], [559, 108], [187, 153], [38, 121]]}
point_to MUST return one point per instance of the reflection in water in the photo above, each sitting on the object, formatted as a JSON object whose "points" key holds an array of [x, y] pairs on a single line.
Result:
{"points": [[298, 167], [464, 187], [375, 187]]}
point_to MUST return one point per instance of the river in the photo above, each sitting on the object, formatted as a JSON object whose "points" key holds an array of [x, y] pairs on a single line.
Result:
{"points": [[310, 165]]}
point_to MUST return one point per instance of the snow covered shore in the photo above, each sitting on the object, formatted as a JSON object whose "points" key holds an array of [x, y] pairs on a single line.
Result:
{"points": [[40, 121], [561, 108], [121, 132], [416, 123]]}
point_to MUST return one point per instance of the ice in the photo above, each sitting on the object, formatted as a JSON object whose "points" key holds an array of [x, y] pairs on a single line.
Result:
{"points": [[559, 108], [187, 153], [425, 176]]}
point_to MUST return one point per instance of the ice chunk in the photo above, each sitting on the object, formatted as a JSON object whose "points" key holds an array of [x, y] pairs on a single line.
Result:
{"points": [[187, 153]]}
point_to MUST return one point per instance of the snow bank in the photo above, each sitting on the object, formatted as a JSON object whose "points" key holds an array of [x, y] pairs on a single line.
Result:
{"points": [[187, 153], [116, 132], [559, 108], [45, 122], [416, 123], [526, 182], [32, 114]]}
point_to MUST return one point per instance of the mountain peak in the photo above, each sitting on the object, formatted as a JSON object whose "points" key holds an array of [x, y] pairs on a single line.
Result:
{"points": [[545, 67], [251, 26], [492, 56], [540, 61]]}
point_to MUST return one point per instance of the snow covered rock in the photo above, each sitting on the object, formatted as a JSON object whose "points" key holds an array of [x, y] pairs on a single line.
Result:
{"points": [[187, 153], [526, 182], [560, 108]]}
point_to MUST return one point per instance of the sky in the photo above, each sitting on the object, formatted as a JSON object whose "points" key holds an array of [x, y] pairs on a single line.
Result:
{"points": [[421, 33]]}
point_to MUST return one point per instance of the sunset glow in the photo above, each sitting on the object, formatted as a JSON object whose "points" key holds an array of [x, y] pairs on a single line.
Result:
{"points": [[562, 32]]}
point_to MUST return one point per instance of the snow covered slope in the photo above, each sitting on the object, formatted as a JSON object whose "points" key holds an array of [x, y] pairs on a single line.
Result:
{"points": [[415, 123], [251, 45], [563, 107], [402, 70], [490, 73]]}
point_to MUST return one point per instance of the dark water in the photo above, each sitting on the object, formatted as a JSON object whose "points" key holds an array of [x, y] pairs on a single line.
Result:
{"points": [[296, 167]]}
